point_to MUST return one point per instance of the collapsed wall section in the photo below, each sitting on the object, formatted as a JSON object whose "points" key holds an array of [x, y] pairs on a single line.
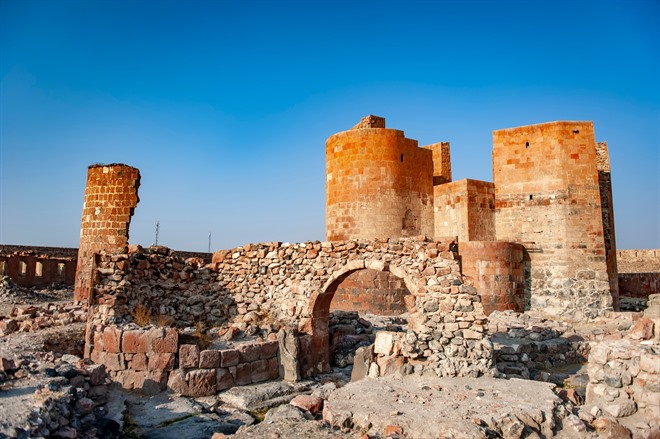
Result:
{"points": [[607, 210], [111, 195], [378, 185], [547, 197]]}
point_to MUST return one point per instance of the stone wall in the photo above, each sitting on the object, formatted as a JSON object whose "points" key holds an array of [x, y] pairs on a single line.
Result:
{"points": [[624, 371], [639, 285], [465, 208], [638, 261], [372, 292], [441, 162], [151, 359], [378, 185], [38, 266], [294, 284], [607, 212], [497, 270], [110, 198], [547, 193]]}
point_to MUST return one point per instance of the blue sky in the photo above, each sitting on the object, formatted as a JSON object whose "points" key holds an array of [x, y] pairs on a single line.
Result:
{"points": [[225, 106]]}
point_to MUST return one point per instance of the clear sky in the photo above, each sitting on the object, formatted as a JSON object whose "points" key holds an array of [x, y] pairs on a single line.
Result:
{"points": [[225, 106]]}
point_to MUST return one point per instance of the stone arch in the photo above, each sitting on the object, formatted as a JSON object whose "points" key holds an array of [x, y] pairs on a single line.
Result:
{"points": [[318, 355]]}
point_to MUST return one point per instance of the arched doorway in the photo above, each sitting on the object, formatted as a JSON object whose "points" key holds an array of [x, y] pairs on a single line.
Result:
{"points": [[317, 358]]}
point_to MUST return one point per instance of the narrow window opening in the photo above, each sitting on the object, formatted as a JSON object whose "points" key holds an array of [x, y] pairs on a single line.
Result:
{"points": [[401, 158], [22, 269], [526, 145], [60, 270], [576, 131], [38, 269], [531, 197]]}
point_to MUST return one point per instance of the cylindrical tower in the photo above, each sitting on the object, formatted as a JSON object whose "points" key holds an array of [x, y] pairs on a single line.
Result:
{"points": [[379, 184], [110, 198]]}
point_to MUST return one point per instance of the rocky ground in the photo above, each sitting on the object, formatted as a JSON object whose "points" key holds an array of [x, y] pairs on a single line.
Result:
{"points": [[46, 390]]}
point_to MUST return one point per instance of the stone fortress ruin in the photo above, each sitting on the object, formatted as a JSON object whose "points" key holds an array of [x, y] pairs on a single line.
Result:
{"points": [[487, 276]]}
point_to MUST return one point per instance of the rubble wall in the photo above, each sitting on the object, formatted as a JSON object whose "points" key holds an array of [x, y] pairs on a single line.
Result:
{"points": [[371, 292], [497, 271], [294, 284], [378, 185], [547, 196], [638, 261], [624, 370], [110, 198]]}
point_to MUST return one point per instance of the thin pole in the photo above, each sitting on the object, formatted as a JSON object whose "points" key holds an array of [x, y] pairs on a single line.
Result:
{"points": [[209, 242], [157, 228]]}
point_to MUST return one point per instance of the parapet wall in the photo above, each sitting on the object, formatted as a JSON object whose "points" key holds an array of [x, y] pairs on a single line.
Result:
{"points": [[110, 198], [638, 261]]}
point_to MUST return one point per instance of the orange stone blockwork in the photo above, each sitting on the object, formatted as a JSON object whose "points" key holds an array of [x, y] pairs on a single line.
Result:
{"points": [[378, 185], [497, 271], [547, 197], [466, 209], [111, 196], [371, 292]]}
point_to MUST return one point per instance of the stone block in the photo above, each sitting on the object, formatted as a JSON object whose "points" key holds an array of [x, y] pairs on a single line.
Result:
{"points": [[260, 371], [97, 374], [188, 355], [164, 340], [389, 365], [209, 359], [223, 379], [114, 362], [248, 353], [386, 342], [273, 368], [642, 330], [201, 382], [7, 364], [163, 362], [134, 341], [138, 362], [177, 382], [312, 404], [268, 350], [228, 357], [111, 339], [361, 362], [243, 374]]}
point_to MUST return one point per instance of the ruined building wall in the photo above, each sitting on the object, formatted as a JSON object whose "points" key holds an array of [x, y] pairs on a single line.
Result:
{"points": [[639, 272], [466, 209], [605, 186], [547, 193], [371, 292], [378, 184], [38, 266], [110, 198]]}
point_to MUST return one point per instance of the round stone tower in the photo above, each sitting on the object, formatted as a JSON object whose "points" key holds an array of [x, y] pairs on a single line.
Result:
{"points": [[379, 184]]}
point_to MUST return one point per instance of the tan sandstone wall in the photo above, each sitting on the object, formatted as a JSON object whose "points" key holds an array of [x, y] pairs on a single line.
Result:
{"points": [[378, 185], [547, 197], [466, 209]]}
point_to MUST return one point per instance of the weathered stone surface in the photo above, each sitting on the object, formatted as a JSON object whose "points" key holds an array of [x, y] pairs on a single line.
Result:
{"points": [[284, 411], [259, 371], [136, 341], [609, 429], [362, 361], [201, 382], [188, 355], [312, 404], [289, 349], [224, 379], [642, 329], [228, 357], [389, 365], [209, 359]]}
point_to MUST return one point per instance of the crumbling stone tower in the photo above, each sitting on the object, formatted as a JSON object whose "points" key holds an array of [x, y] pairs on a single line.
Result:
{"points": [[378, 184], [111, 195], [547, 197]]}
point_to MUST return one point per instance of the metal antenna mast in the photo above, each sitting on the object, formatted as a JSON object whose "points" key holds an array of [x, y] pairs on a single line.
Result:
{"points": [[209, 242], [157, 228]]}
